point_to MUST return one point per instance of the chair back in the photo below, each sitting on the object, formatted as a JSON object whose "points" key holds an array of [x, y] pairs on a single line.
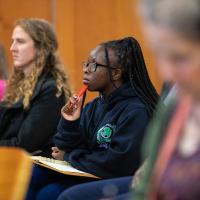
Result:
{"points": [[15, 173]]}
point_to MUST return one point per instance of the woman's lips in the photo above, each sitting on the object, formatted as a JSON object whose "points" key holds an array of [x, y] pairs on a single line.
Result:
{"points": [[14, 56], [86, 81]]}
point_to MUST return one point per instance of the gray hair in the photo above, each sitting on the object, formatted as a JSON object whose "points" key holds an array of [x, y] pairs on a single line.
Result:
{"points": [[181, 15]]}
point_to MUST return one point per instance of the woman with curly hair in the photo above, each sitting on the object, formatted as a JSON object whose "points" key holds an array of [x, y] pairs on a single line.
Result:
{"points": [[36, 90]]}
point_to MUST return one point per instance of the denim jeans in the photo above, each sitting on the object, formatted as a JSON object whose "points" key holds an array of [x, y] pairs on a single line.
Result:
{"points": [[116, 189], [47, 184]]}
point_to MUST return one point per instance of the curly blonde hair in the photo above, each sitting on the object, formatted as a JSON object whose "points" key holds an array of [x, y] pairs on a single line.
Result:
{"points": [[45, 41]]}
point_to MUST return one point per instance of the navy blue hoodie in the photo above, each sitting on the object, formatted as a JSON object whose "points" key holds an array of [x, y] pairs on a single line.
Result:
{"points": [[106, 140]]}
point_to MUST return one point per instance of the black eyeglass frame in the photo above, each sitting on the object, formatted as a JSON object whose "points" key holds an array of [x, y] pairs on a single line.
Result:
{"points": [[87, 65]]}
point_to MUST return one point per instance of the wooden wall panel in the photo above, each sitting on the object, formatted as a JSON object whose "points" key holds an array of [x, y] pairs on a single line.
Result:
{"points": [[81, 25], [64, 23]]}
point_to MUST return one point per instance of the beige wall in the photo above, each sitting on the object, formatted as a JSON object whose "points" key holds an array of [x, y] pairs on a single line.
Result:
{"points": [[80, 25]]}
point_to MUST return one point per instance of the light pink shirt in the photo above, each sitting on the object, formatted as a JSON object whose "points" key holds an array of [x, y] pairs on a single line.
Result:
{"points": [[2, 89]]}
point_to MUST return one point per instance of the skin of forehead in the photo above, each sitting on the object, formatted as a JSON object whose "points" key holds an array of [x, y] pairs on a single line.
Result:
{"points": [[99, 53]]}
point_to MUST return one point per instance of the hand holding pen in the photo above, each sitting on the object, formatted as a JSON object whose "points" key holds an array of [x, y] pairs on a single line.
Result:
{"points": [[71, 111]]}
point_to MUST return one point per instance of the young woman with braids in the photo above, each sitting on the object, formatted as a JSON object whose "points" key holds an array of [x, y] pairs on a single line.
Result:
{"points": [[104, 137], [172, 171], [36, 90]]}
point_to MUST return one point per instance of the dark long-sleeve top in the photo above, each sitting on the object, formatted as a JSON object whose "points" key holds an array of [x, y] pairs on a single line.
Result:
{"points": [[106, 139], [32, 129]]}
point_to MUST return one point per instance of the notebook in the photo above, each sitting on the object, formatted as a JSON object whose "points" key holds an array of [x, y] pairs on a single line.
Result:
{"points": [[60, 166]]}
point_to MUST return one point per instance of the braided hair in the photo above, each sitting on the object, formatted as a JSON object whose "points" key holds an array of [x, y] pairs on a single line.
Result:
{"points": [[130, 59]]}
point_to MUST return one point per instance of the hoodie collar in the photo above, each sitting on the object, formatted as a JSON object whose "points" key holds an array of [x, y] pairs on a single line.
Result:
{"points": [[121, 93]]}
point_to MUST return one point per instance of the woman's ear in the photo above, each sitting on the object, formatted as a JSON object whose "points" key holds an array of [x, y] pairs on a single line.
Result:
{"points": [[116, 74]]}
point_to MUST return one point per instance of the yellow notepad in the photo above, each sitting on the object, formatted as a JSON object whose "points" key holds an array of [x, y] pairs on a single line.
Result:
{"points": [[60, 166]]}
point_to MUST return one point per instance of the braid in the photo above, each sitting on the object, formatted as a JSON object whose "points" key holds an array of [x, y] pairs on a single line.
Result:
{"points": [[130, 58], [141, 79], [108, 64], [83, 101]]}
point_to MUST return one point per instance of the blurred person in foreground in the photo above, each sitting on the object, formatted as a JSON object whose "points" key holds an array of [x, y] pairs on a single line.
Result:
{"points": [[173, 168]]}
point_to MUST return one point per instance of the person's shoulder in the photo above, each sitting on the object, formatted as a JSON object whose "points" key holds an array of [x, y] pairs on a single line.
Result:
{"points": [[49, 84], [134, 106], [129, 98], [90, 105], [136, 102], [48, 81]]}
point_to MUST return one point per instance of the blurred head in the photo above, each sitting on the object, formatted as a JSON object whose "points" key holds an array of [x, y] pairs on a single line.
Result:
{"points": [[34, 50], [23, 50], [34, 43], [119, 61], [173, 30]]}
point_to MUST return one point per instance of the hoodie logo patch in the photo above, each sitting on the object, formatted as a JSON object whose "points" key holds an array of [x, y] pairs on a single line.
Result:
{"points": [[104, 135]]}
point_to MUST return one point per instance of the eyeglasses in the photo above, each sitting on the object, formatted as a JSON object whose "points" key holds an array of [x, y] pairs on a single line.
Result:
{"points": [[92, 66]]}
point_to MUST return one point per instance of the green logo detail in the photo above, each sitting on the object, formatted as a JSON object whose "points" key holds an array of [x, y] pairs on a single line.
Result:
{"points": [[104, 134]]}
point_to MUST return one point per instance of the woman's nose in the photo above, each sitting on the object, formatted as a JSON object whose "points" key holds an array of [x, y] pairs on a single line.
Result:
{"points": [[13, 47], [85, 70]]}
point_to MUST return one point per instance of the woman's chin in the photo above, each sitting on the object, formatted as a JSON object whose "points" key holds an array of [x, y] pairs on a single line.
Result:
{"points": [[18, 68]]}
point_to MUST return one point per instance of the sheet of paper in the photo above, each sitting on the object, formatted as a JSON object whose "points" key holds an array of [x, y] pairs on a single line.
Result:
{"points": [[61, 167]]}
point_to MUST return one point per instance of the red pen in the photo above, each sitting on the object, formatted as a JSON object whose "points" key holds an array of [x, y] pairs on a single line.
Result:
{"points": [[70, 106], [82, 91]]}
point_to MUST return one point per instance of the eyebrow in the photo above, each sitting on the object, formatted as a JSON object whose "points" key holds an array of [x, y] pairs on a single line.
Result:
{"points": [[91, 59]]}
